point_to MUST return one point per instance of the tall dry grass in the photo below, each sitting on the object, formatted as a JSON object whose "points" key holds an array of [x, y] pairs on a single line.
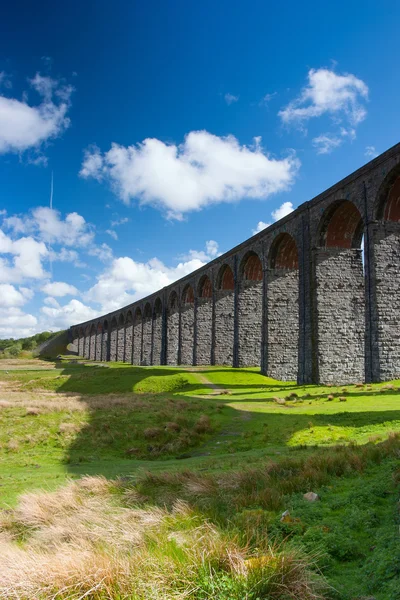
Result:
{"points": [[80, 542]]}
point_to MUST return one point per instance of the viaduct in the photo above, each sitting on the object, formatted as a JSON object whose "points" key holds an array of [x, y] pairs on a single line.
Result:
{"points": [[300, 299]]}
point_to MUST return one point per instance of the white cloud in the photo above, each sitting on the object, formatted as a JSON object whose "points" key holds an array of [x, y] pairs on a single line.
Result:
{"points": [[10, 296], [203, 170], [265, 100], [25, 260], [327, 142], [284, 209], [118, 222], [59, 289], [328, 93], [60, 317], [370, 152], [260, 226], [71, 231], [24, 126], [103, 252], [112, 233], [67, 255], [15, 323], [230, 98], [126, 280]]}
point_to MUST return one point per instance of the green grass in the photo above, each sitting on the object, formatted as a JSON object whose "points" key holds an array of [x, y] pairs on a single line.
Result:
{"points": [[151, 425]]}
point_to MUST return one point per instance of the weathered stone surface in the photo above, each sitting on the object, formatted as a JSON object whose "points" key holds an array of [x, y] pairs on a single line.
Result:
{"points": [[204, 331], [173, 335], [224, 327], [311, 496], [250, 319], [283, 324], [187, 334]]}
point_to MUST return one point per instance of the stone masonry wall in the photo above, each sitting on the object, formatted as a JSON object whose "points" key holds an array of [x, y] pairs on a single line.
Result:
{"points": [[250, 320], [282, 324], [224, 327], [340, 315], [87, 346], [128, 341], [172, 337], [137, 343], [98, 345], [113, 344], [147, 340], [157, 339], [81, 344], [187, 334], [387, 288], [92, 346], [105, 346], [121, 342], [204, 331]]}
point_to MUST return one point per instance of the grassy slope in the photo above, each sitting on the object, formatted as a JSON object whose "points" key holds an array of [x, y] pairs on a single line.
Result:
{"points": [[245, 428]]}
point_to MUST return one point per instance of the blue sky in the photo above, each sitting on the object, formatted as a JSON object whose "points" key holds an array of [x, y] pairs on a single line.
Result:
{"points": [[173, 130]]}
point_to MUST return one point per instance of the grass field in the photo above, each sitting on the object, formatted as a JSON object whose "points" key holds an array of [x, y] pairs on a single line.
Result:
{"points": [[219, 451]]}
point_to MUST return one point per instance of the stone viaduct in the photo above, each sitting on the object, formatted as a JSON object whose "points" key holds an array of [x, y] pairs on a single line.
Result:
{"points": [[300, 299]]}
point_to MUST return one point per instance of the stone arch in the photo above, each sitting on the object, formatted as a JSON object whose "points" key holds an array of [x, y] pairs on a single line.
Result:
{"points": [[250, 310], [99, 341], [341, 226], [173, 329], [383, 255], [137, 337], [81, 342], [121, 338], [204, 321], [339, 296], [113, 339], [147, 334], [92, 345], [224, 316], [105, 344], [187, 325], [86, 352], [157, 332], [283, 308], [128, 337]]}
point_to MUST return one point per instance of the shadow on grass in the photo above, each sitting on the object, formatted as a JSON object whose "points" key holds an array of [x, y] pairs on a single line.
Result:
{"points": [[111, 442]]}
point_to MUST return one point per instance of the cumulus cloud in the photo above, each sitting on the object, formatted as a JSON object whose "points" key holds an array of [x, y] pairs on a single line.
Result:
{"points": [[203, 170], [24, 126], [60, 317], [59, 289], [10, 296], [16, 323], [23, 259], [126, 280], [329, 93], [71, 231], [260, 226], [284, 209]]}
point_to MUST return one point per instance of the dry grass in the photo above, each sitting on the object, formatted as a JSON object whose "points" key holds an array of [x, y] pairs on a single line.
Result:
{"points": [[79, 543]]}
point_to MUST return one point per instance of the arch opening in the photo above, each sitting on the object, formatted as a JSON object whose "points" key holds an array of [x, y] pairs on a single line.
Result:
{"points": [[205, 287], [251, 267], [342, 226], [225, 279]]}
